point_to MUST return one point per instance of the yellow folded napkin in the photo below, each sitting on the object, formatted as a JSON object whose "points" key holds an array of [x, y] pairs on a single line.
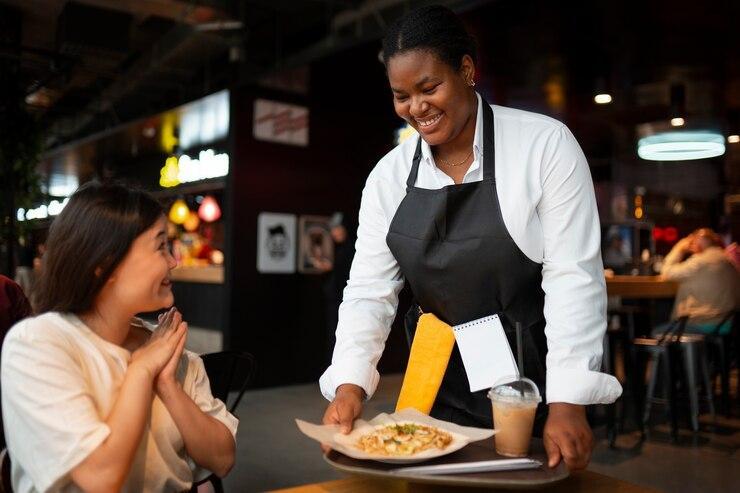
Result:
{"points": [[430, 353]]}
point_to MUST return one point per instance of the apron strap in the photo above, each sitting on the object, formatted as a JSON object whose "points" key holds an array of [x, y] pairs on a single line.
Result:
{"points": [[489, 149], [411, 180]]}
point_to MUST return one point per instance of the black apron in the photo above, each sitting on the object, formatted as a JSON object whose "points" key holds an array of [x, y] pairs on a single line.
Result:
{"points": [[454, 250]]}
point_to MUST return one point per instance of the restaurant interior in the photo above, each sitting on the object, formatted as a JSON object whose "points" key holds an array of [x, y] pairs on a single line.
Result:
{"points": [[256, 123]]}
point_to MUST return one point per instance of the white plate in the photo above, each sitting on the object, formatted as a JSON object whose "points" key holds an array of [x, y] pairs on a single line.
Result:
{"points": [[346, 444], [350, 441]]}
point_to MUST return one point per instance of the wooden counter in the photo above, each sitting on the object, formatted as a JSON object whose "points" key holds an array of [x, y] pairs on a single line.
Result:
{"points": [[209, 274], [641, 287], [585, 481]]}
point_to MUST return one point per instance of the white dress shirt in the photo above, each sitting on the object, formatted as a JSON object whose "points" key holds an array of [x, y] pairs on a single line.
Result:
{"points": [[548, 206]]}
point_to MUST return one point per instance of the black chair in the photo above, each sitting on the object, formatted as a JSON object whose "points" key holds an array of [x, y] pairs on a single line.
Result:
{"points": [[227, 371], [5, 485]]}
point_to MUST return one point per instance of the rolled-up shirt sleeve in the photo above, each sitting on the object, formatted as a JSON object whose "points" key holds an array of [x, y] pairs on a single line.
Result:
{"points": [[572, 277], [370, 300]]}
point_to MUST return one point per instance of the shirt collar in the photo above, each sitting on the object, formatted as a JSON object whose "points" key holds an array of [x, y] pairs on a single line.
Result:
{"points": [[426, 151]]}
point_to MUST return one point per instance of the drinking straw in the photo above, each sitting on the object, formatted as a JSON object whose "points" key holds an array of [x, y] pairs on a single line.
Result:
{"points": [[520, 354]]}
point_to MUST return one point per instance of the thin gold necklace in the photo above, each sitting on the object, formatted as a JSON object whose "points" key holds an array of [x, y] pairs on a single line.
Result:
{"points": [[454, 165]]}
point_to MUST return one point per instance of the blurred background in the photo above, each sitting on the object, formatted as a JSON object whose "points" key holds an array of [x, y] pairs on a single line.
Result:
{"points": [[257, 122]]}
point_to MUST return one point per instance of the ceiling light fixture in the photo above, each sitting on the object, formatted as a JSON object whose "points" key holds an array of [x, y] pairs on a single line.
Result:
{"points": [[681, 146], [603, 98]]}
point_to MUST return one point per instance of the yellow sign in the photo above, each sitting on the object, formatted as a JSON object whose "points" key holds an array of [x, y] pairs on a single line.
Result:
{"points": [[185, 169], [169, 175]]}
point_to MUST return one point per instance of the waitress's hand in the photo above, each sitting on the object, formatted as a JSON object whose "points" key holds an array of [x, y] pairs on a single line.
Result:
{"points": [[568, 436], [345, 408]]}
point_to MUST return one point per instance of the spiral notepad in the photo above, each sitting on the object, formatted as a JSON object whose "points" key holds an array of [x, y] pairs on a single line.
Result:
{"points": [[485, 351]]}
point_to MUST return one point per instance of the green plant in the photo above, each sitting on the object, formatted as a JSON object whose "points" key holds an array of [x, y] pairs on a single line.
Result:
{"points": [[21, 144]]}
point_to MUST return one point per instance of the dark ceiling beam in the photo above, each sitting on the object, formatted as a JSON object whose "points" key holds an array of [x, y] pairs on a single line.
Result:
{"points": [[186, 12], [164, 51], [368, 21]]}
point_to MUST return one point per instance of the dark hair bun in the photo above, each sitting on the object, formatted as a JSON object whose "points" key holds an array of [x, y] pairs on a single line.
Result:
{"points": [[434, 28]]}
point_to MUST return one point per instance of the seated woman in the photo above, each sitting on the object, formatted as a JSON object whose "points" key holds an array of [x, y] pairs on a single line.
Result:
{"points": [[709, 285], [93, 398]]}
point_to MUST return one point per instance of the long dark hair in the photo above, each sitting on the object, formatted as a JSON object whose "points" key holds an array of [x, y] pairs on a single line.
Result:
{"points": [[434, 28], [87, 241]]}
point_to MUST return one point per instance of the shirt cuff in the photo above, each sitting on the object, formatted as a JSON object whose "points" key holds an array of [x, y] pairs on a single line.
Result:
{"points": [[341, 372], [582, 387]]}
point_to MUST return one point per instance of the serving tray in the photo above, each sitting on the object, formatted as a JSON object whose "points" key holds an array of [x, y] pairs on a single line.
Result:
{"points": [[476, 451]]}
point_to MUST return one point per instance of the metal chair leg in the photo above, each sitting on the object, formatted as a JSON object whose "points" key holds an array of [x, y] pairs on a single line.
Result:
{"points": [[724, 375], [650, 393], [690, 361], [668, 382], [707, 381], [607, 366]]}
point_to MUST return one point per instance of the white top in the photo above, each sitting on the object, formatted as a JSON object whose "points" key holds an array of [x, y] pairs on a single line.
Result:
{"points": [[709, 285], [548, 205], [59, 383]]}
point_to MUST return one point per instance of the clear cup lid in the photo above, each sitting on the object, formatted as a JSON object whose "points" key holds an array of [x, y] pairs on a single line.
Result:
{"points": [[516, 389]]}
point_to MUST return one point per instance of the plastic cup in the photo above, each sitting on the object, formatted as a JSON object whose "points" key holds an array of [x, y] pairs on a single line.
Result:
{"points": [[514, 403]]}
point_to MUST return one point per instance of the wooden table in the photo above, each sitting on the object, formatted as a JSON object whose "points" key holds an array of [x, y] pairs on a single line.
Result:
{"points": [[585, 481], [641, 287], [207, 274]]}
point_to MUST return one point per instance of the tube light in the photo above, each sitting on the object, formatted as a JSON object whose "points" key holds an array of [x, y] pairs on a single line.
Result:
{"points": [[681, 146]]}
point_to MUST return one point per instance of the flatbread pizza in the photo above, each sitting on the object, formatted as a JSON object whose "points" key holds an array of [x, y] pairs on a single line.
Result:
{"points": [[403, 439]]}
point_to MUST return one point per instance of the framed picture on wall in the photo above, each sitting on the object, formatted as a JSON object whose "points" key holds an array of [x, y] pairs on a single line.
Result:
{"points": [[276, 243], [316, 248]]}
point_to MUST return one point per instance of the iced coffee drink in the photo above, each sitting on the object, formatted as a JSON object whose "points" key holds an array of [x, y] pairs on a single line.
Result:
{"points": [[514, 403]]}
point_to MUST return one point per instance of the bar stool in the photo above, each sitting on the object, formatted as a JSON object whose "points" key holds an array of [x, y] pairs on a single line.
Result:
{"points": [[607, 366], [621, 330], [617, 334], [659, 352], [693, 350], [663, 350], [723, 348]]}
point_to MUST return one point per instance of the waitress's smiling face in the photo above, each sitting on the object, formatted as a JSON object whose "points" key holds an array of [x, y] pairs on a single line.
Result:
{"points": [[432, 96]]}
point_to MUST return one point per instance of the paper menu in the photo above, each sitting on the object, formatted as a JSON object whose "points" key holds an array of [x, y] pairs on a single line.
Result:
{"points": [[485, 351]]}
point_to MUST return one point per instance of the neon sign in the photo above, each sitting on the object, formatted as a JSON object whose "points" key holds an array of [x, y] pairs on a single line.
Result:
{"points": [[43, 211], [187, 170]]}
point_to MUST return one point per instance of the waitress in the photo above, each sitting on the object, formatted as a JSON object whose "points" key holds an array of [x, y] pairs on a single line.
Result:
{"points": [[490, 211]]}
